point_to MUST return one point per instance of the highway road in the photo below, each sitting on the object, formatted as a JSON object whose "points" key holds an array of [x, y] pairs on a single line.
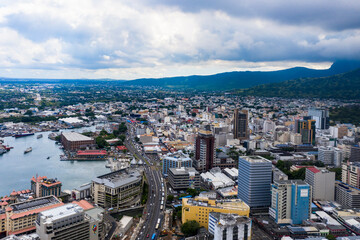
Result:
{"points": [[156, 193]]}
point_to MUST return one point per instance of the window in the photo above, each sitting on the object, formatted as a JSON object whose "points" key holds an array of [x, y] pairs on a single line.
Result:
{"points": [[235, 233], [224, 234]]}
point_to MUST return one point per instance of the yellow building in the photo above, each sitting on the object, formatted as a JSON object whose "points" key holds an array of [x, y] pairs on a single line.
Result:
{"points": [[198, 209]]}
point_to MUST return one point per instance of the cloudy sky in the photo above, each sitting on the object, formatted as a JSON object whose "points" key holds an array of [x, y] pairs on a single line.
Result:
{"points": [[156, 38]]}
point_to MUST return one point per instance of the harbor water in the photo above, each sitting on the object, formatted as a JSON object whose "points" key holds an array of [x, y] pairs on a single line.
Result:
{"points": [[17, 168]]}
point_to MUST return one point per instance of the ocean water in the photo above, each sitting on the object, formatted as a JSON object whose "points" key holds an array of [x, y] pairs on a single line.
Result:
{"points": [[17, 168]]}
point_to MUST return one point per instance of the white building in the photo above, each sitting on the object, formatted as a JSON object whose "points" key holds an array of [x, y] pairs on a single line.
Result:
{"points": [[322, 182], [229, 226], [70, 221], [326, 155]]}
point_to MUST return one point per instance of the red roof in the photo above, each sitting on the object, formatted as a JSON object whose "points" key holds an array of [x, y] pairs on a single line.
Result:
{"points": [[121, 148], [84, 204], [92, 152], [2, 216], [314, 169], [35, 211]]}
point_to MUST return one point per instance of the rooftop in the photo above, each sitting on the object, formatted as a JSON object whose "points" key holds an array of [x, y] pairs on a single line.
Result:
{"points": [[184, 170], [34, 204], [74, 136], [255, 159], [233, 204], [229, 219], [64, 211], [119, 178]]}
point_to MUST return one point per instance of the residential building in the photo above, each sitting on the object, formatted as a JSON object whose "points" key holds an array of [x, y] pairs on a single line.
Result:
{"points": [[184, 178], [198, 209], [229, 226], [290, 201], [254, 181], [117, 189], [350, 173], [71, 221], [73, 141], [204, 151], [43, 186], [321, 116], [241, 122], [346, 195], [322, 182], [19, 218], [175, 160]]}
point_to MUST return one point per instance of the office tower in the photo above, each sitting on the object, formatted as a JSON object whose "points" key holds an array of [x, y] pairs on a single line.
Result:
{"points": [[326, 155], [322, 182], [198, 209], [338, 157], [306, 128], [229, 226], [254, 180], [290, 201], [70, 222], [355, 153], [204, 151], [184, 178], [241, 129], [175, 160], [119, 189], [321, 116]]}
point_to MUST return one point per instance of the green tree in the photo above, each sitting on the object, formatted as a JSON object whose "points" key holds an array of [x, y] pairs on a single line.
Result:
{"points": [[191, 192], [190, 228], [337, 173], [101, 142], [331, 237], [28, 112], [170, 198]]}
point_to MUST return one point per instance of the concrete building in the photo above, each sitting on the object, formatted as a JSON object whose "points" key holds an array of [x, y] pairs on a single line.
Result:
{"points": [[117, 189], [241, 122], [215, 179], [184, 178], [43, 186], [355, 153], [350, 173], [326, 155], [322, 182], [175, 160], [198, 209], [290, 201], [74, 141], [70, 222], [229, 226], [321, 116], [346, 195], [204, 151], [254, 181], [19, 218], [307, 129], [338, 157]]}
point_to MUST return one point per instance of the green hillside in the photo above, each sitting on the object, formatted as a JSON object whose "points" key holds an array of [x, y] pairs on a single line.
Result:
{"points": [[341, 86]]}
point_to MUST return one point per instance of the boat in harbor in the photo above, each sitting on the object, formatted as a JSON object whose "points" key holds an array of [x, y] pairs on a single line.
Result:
{"points": [[28, 150], [24, 134], [39, 136], [63, 158]]}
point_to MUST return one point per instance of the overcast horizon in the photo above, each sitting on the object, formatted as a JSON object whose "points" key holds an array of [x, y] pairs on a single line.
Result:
{"points": [[156, 38]]}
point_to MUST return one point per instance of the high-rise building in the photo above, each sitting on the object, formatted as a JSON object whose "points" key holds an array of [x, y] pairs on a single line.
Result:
{"points": [[70, 222], [175, 160], [290, 201], [204, 151], [198, 209], [338, 157], [254, 181], [229, 226], [307, 129], [241, 122], [355, 153], [322, 182], [321, 116]]}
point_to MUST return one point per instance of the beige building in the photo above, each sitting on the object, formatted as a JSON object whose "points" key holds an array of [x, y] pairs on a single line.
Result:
{"points": [[350, 173], [118, 189]]}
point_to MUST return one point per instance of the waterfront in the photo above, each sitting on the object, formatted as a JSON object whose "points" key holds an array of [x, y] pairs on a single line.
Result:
{"points": [[17, 168]]}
